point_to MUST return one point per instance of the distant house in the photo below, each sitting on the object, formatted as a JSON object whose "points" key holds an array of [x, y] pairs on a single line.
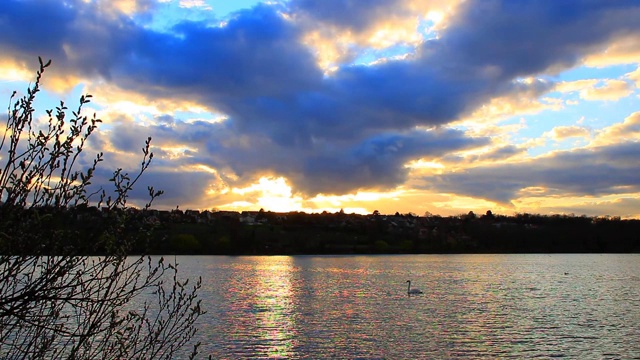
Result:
{"points": [[192, 215], [247, 218], [206, 215], [227, 215]]}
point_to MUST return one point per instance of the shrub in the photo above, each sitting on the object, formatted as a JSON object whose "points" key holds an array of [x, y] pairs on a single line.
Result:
{"points": [[57, 301]]}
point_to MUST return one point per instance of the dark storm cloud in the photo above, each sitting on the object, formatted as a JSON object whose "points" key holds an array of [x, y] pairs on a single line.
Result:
{"points": [[257, 54], [320, 130], [378, 161], [599, 171], [521, 37], [179, 187], [346, 14], [80, 39], [496, 154], [127, 139], [503, 152], [27, 35]]}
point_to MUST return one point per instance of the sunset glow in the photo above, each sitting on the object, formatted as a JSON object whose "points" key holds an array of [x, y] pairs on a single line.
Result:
{"points": [[396, 106]]}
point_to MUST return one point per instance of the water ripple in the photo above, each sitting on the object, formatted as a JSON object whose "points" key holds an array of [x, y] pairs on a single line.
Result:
{"points": [[480, 306]]}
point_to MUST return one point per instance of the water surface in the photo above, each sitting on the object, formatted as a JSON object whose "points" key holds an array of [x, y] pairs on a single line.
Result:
{"points": [[473, 306]]}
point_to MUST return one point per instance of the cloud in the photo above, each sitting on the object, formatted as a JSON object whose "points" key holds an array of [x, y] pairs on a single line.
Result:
{"points": [[622, 50], [628, 130], [564, 132], [352, 128], [195, 4], [610, 90], [515, 103], [340, 31], [593, 171], [635, 76], [347, 14], [626, 207], [576, 86], [179, 187], [501, 153], [111, 103], [377, 162], [535, 37], [129, 7], [598, 90]]}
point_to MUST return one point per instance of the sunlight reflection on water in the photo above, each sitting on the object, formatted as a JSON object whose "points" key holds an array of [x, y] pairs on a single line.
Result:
{"points": [[474, 306]]}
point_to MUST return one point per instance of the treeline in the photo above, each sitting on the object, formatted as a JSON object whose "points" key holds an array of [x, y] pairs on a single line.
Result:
{"points": [[266, 233], [300, 233]]}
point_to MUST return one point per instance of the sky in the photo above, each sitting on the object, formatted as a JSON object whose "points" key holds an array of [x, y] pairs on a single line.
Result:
{"points": [[409, 106]]}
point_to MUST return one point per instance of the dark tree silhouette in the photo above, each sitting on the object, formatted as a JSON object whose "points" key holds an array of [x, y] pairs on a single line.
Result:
{"points": [[55, 301]]}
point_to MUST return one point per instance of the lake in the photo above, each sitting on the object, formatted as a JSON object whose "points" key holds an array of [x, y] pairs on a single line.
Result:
{"points": [[473, 306]]}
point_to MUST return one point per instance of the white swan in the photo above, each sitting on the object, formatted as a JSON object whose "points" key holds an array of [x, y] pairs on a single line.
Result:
{"points": [[411, 291]]}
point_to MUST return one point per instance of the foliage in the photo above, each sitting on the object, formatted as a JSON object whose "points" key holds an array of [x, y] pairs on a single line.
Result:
{"points": [[223, 233], [55, 300]]}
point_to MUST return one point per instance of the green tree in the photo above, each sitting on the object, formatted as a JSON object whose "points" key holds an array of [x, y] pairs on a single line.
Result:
{"points": [[55, 301]]}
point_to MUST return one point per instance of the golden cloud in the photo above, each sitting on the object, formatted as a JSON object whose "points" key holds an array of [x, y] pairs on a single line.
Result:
{"points": [[623, 50], [565, 132], [128, 7], [611, 90], [14, 70], [596, 89], [334, 45], [623, 203], [572, 86], [634, 76], [628, 130], [486, 120], [11, 70], [116, 101]]}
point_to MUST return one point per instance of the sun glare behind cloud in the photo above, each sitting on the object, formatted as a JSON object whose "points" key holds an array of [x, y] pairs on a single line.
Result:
{"points": [[405, 105], [272, 193]]}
